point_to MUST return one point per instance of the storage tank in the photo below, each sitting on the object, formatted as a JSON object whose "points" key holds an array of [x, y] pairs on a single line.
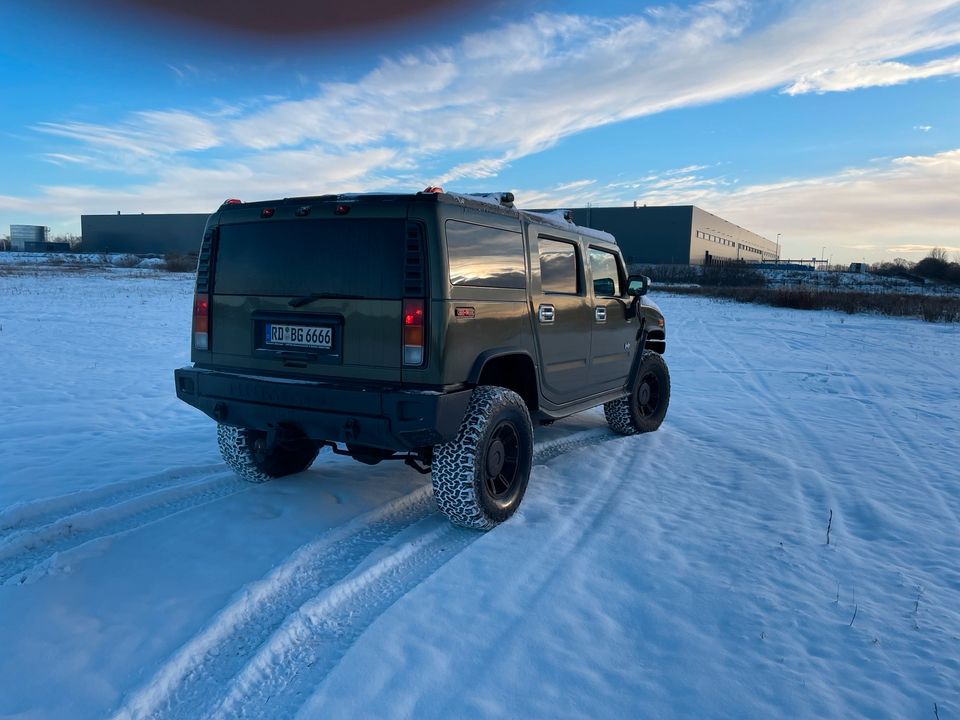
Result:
{"points": [[20, 235]]}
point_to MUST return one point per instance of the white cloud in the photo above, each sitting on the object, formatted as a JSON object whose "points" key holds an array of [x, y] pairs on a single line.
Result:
{"points": [[469, 109], [504, 93], [860, 75], [922, 249], [893, 206], [146, 133]]}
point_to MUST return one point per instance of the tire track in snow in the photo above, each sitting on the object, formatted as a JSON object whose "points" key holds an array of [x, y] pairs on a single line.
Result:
{"points": [[300, 619], [862, 392], [191, 682], [754, 384], [63, 524], [40, 512], [279, 678]]}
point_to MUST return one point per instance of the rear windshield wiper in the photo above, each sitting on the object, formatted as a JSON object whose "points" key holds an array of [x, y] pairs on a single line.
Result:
{"points": [[298, 302]]}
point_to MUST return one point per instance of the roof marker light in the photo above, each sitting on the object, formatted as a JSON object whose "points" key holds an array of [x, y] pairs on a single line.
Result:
{"points": [[233, 201]]}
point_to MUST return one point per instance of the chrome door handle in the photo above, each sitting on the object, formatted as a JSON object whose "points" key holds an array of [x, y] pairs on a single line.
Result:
{"points": [[601, 314], [546, 313]]}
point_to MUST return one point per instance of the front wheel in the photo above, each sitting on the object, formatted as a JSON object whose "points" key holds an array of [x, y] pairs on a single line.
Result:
{"points": [[480, 477], [250, 456], [645, 407]]}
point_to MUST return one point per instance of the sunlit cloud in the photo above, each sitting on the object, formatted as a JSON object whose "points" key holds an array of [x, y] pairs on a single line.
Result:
{"points": [[861, 75], [507, 92], [904, 205], [465, 111]]}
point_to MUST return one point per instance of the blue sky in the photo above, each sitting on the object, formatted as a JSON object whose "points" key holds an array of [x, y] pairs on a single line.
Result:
{"points": [[835, 124]]}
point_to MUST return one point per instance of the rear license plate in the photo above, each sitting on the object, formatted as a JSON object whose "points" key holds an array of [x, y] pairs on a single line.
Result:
{"points": [[299, 336]]}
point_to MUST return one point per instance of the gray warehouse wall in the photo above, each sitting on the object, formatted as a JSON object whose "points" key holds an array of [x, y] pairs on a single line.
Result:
{"points": [[142, 234], [644, 234], [726, 241]]}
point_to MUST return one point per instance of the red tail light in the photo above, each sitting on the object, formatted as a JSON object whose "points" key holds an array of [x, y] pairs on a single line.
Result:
{"points": [[414, 327], [233, 201], [201, 322]]}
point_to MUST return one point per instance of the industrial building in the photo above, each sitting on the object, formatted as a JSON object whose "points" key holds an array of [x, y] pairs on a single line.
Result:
{"points": [[676, 234], [26, 237], [142, 234]]}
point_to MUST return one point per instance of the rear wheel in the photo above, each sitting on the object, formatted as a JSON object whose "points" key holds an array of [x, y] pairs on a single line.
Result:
{"points": [[480, 477], [645, 407], [250, 454]]}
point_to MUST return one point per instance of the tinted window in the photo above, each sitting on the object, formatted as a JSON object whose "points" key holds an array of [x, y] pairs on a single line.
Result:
{"points": [[485, 256], [558, 267], [606, 278], [343, 257]]}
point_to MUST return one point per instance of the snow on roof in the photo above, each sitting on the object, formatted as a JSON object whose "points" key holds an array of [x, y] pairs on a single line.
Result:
{"points": [[556, 218]]}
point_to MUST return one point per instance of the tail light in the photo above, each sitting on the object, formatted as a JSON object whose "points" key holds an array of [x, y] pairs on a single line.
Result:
{"points": [[201, 322], [414, 328]]}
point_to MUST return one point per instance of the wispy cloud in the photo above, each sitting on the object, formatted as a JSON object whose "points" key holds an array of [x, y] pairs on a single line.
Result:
{"points": [[146, 133], [498, 95], [923, 249], [907, 204], [860, 75], [467, 110]]}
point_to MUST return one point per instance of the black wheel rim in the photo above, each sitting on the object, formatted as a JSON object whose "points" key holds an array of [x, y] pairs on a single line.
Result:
{"points": [[648, 395], [501, 465]]}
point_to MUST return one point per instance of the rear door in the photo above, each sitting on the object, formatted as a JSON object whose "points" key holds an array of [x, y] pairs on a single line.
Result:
{"points": [[318, 296], [562, 317]]}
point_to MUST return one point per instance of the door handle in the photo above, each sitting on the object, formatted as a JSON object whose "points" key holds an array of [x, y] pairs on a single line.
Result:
{"points": [[546, 313], [601, 314]]}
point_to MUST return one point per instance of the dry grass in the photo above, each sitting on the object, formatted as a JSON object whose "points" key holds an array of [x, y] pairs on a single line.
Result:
{"points": [[932, 308], [178, 262]]}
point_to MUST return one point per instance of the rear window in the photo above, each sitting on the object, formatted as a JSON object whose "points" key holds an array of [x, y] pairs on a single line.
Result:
{"points": [[345, 257]]}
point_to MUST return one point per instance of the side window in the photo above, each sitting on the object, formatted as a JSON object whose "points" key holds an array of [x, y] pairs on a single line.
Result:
{"points": [[606, 277], [558, 267], [485, 256]]}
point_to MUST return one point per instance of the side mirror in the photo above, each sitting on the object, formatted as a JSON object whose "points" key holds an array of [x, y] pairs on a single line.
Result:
{"points": [[638, 285]]}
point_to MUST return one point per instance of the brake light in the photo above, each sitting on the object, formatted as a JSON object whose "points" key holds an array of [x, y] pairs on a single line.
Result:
{"points": [[201, 322], [433, 189], [413, 332], [233, 201]]}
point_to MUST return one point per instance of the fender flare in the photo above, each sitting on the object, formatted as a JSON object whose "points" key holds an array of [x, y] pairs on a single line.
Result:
{"points": [[492, 354]]}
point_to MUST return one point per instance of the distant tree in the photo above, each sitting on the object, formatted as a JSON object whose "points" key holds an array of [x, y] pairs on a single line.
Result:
{"points": [[931, 267], [5, 242], [74, 240], [938, 253]]}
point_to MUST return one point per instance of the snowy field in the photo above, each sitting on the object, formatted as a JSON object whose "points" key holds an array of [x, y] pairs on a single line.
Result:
{"points": [[681, 574]]}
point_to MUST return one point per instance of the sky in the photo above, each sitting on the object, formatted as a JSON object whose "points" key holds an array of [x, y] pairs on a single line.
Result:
{"points": [[833, 124]]}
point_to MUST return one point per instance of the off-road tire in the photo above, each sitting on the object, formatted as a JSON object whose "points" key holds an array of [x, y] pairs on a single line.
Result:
{"points": [[645, 407], [468, 471], [239, 449]]}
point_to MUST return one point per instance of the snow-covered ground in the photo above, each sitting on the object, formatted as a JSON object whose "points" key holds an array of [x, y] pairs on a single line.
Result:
{"points": [[680, 574]]}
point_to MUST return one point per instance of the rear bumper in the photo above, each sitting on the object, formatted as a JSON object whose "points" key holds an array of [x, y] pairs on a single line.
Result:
{"points": [[383, 418]]}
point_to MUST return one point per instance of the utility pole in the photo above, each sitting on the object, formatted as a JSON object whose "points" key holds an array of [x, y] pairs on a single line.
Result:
{"points": [[778, 248]]}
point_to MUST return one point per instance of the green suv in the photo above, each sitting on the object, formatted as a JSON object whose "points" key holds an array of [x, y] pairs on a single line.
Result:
{"points": [[432, 328]]}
